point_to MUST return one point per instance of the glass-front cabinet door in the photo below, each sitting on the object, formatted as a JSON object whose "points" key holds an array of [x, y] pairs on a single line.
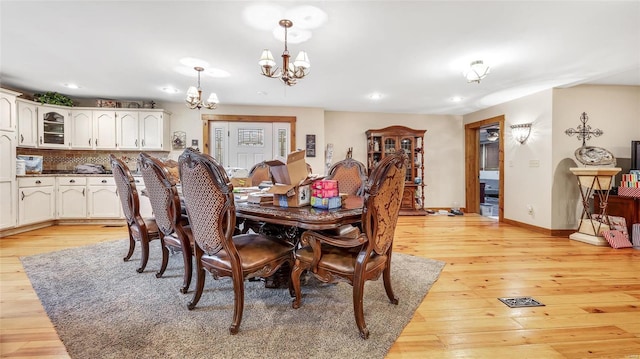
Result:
{"points": [[53, 125]]}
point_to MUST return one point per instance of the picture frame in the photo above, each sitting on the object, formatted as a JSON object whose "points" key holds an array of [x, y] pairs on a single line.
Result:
{"points": [[179, 140], [311, 145]]}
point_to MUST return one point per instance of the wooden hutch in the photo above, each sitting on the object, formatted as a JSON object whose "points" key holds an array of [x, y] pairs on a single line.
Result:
{"points": [[388, 140]]}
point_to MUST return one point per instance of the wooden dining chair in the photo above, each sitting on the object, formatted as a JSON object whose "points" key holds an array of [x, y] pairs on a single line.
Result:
{"points": [[209, 199], [172, 224], [350, 174], [358, 257], [142, 230]]}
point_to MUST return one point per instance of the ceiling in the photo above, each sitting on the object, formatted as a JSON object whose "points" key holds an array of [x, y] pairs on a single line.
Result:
{"points": [[413, 53]]}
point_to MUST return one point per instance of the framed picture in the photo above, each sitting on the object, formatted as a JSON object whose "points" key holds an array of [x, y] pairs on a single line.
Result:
{"points": [[311, 145], [179, 141]]}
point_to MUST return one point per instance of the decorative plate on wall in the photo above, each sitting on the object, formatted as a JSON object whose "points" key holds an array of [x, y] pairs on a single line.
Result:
{"points": [[594, 156]]}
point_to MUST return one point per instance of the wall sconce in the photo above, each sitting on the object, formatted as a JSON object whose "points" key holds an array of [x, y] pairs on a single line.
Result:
{"points": [[521, 132]]}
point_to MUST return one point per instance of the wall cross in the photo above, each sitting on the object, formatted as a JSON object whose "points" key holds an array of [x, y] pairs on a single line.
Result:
{"points": [[584, 131]]}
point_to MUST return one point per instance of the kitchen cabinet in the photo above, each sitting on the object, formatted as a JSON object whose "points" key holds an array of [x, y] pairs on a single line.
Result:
{"points": [[53, 126], [81, 130], [143, 130], [8, 158], [36, 200], [27, 123], [385, 141], [102, 200], [71, 197], [104, 130], [145, 204]]}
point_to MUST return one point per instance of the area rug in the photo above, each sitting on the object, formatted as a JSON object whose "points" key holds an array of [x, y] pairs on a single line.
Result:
{"points": [[102, 308]]}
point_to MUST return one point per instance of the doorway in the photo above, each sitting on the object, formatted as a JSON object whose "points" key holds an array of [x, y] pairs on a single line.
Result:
{"points": [[243, 141], [482, 166]]}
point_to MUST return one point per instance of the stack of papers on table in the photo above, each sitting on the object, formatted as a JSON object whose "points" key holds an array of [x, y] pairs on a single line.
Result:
{"points": [[260, 197]]}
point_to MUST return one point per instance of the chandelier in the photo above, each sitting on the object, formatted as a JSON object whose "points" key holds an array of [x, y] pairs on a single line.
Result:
{"points": [[194, 96], [477, 71], [289, 73]]}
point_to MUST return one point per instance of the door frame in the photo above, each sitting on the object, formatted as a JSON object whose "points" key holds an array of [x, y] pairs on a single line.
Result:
{"points": [[472, 168], [207, 119]]}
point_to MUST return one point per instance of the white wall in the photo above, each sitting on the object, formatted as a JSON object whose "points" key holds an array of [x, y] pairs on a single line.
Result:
{"points": [[444, 144], [527, 167], [613, 109]]}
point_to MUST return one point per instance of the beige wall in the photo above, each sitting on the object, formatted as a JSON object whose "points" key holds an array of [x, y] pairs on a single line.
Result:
{"points": [[549, 187], [444, 144], [613, 109], [527, 167]]}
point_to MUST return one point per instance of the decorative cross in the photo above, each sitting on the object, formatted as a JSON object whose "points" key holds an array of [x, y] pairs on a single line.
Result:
{"points": [[584, 131]]}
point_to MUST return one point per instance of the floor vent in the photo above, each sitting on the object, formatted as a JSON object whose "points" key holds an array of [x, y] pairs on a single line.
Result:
{"points": [[519, 302]]}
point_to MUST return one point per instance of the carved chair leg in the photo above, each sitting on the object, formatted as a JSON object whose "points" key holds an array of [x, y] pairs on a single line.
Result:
{"points": [[386, 277], [165, 258], [144, 246], [132, 247], [295, 281], [358, 310], [188, 268], [200, 275], [238, 290]]}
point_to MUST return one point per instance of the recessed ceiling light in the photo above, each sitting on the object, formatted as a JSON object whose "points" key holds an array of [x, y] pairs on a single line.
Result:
{"points": [[263, 93], [170, 89], [71, 86], [456, 99], [375, 96]]}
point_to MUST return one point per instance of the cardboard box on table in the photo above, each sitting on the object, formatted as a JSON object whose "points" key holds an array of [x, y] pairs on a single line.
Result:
{"points": [[292, 186]]}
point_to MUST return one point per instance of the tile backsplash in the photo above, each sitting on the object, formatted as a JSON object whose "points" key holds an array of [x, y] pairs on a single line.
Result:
{"points": [[67, 160]]}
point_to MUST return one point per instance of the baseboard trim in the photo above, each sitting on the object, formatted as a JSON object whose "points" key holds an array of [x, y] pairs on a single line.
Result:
{"points": [[30, 227], [549, 232]]}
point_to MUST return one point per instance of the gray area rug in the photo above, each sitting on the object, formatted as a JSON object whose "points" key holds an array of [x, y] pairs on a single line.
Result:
{"points": [[102, 308]]}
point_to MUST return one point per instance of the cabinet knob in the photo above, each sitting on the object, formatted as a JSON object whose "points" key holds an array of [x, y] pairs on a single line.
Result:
{"points": [[72, 181], [38, 182], [104, 181]]}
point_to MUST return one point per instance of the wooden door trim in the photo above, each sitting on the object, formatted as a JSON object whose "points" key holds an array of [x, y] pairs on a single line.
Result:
{"points": [[471, 158], [208, 118]]}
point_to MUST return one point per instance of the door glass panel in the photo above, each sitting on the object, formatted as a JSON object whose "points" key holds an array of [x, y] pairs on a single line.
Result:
{"points": [[218, 145], [282, 142], [251, 137]]}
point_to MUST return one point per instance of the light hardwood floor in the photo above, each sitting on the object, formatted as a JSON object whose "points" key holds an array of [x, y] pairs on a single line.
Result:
{"points": [[592, 294]]}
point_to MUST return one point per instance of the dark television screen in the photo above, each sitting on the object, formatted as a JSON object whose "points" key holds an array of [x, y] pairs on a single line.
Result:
{"points": [[635, 155]]}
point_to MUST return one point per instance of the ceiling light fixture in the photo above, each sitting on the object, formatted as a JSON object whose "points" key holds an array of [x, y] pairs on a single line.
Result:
{"points": [[521, 132], [289, 73], [477, 71], [493, 134], [194, 96]]}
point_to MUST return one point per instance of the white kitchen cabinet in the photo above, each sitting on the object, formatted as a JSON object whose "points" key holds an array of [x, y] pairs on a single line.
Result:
{"points": [[145, 204], [72, 197], [8, 158], [152, 130], [27, 123], [105, 130], [53, 126], [7, 179], [36, 199], [103, 200], [81, 130], [128, 130]]}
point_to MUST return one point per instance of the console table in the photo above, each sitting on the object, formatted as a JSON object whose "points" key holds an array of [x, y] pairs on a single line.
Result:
{"points": [[590, 179]]}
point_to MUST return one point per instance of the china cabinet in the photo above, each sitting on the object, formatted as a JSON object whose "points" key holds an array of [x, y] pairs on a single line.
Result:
{"points": [[36, 199], [384, 141]]}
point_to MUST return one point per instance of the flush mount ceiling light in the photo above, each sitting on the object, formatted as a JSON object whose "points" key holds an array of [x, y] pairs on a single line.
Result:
{"points": [[477, 71], [521, 132], [289, 73], [493, 134], [194, 96]]}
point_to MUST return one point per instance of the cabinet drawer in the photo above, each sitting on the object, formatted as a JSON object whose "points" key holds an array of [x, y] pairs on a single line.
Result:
{"points": [[101, 181], [72, 181], [36, 181]]}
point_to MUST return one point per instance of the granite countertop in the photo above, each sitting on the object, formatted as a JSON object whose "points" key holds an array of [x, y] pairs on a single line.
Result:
{"points": [[72, 174]]}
